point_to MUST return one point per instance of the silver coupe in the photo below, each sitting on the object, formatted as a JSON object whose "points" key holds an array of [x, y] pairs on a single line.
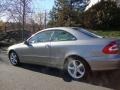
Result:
{"points": [[75, 50]]}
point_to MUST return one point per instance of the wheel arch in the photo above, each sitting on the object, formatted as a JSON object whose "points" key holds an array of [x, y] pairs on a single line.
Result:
{"points": [[12, 50], [78, 57]]}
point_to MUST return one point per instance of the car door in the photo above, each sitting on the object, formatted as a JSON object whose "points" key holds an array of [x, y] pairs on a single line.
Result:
{"points": [[38, 49], [60, 43]]}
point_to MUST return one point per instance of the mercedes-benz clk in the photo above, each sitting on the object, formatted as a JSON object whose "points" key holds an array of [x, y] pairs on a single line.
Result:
{"points": [[75, 50]]}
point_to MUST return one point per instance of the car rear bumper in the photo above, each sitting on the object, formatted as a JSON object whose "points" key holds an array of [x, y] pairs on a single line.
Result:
{"points": [[104, 64]]}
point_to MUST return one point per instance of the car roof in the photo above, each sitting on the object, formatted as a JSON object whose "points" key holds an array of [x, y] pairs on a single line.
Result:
{"points": [[68, 29], [59, 28], [73, 30]]}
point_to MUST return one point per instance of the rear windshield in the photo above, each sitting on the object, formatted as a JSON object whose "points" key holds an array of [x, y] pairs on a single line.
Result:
{"points": [[87, 33]]}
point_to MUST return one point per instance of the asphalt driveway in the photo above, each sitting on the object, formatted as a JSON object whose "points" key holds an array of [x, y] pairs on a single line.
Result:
{"points": [[34, 77]]}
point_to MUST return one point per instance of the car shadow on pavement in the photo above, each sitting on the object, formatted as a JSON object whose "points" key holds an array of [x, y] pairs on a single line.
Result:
{"points": [[47, 70], [1, 60], [109, 79]]}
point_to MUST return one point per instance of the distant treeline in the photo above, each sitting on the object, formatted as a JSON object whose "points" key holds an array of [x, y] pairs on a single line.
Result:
{"points": [[16, 26], [103, 15]]}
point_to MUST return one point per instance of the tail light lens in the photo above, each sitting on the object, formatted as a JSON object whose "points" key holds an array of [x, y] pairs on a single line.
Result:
{"points": [[111, 48]]}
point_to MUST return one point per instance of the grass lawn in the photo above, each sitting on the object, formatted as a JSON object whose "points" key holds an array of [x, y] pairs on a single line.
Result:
{"points": [[112, 33]]}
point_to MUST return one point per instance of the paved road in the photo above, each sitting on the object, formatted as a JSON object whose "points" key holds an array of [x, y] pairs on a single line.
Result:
{"points": [[33, 77]]}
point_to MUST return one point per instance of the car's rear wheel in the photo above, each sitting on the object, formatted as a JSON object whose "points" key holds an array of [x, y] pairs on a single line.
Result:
{"points": [[14, 59], [77, 69]]}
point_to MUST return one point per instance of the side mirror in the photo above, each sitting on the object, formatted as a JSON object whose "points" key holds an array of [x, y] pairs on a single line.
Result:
{"points": [[26, 42]]}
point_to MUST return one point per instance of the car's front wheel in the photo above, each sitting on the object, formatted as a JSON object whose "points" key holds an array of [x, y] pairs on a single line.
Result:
{"points": [[14, 59], [76, 68]]}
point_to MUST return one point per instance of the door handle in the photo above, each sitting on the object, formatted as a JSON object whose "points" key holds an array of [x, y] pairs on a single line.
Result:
{"points": [[47, 46]]}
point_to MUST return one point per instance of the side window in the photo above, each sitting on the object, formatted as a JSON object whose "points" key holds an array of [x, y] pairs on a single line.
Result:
{"points": [[60, 35], [44, 36]]}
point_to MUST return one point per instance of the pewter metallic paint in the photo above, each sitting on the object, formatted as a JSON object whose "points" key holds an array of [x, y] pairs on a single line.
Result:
{"points": [[54, 54]]}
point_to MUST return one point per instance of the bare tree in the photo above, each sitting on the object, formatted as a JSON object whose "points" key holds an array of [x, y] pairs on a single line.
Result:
{"points": [[18, 11], [4, 4], [39, 18]]}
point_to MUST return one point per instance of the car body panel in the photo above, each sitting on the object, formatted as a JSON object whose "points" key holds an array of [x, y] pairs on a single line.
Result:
{"points": [[104, 63], [54, 53]]}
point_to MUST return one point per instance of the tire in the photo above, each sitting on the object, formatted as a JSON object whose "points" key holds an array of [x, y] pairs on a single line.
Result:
{"points": [[14, 59], [77, 69]]}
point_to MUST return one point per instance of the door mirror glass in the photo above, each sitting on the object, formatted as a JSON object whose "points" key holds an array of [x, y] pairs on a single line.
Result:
{"points": [[26, 42]]}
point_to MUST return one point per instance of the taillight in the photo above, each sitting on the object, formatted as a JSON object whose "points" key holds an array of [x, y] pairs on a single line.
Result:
{"points": [[111, 48]]}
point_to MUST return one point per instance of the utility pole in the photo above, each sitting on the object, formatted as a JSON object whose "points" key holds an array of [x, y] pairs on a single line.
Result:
{"points": [[5, 27], [71, 8], [23, 18], [45, 20], [20, 22]]}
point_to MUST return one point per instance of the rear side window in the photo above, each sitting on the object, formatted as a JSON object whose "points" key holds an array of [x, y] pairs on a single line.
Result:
{"points": [[86, 34], [60, 35]]}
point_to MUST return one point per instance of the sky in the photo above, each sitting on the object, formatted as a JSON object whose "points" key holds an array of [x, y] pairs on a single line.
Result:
{"points": [[42, 5], [46, 5]]}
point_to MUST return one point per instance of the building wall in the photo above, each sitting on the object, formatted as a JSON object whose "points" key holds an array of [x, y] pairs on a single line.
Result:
{"points": [[93, 2]]}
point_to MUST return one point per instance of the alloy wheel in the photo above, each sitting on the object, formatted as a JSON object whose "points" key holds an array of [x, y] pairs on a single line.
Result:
{"points": [[13, 58], [76, 69]]}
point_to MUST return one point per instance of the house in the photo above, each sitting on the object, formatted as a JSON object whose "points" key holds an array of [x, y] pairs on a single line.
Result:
{"points": [[93, 2]]}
